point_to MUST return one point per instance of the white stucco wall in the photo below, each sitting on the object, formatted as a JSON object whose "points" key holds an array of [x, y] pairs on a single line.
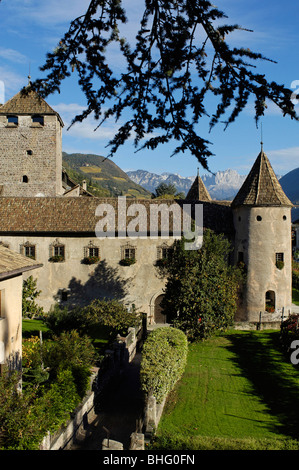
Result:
{"points": [[260, 240], [11, 319], [137, 284]]}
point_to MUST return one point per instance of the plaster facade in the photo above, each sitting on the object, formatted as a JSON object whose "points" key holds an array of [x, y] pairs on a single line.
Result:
{"points": [[71, 282], [263, 234]]}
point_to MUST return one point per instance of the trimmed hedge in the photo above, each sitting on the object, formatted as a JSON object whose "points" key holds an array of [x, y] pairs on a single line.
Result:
{"points": [[164, 358]]}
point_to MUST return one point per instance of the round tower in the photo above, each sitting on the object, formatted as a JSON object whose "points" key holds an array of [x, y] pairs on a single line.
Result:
{"points": [[262, 220]]}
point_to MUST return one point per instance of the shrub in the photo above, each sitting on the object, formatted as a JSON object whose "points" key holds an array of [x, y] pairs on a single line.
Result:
{"points": [[90, 260], [295, 276], [163, 361], [127, 261], [289, 330], [64, 319], [59, 400], [112, 314], [26, 417], [56, 259], [71, 352], [30, 309], [279, 264]]}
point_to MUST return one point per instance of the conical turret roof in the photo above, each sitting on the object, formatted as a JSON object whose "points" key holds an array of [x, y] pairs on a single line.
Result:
{"points": [[27, 102], [198, 191], [261, 187]]}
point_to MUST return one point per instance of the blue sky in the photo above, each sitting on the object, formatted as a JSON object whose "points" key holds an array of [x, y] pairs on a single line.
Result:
{"points": [[31, 28]]}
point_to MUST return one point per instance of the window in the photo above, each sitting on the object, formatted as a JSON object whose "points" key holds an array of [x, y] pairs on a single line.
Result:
{"points": [[259, 218], [38, 119], [64, 296], [13, 120], [164, 253], [25, 179], [128, 255], [270, 301], [279, 260], [29, 152], [91, 254], [28, 250], [57, 252]]}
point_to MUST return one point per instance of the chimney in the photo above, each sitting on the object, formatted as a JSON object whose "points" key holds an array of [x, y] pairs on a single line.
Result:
{"points": [[84, 185]]}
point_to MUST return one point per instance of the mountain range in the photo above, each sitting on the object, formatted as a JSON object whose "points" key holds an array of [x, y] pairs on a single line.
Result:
{"points": [[104, 178], [222, 185]]}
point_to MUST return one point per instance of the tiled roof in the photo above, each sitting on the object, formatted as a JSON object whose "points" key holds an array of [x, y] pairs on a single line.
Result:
{"points": [[27, 102], [12, 263], [198, 191], [261, 187], [78, 214]]}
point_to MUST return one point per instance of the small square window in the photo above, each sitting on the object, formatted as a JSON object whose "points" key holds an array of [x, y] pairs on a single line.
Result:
{"points": [[38, 119], [13, 120]]}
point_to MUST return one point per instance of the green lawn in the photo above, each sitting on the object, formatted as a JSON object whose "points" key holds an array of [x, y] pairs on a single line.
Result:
{"points": [[33, 327], [238, 391], [100, 335], [295, 296]]}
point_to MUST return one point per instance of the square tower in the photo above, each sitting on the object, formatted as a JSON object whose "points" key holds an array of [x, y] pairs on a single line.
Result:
{"points": [[30, 147]]}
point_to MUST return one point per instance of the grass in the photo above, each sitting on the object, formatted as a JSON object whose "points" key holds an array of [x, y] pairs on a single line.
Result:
{"points": [[33, 327], [295, 296], [238, 392], [100, 335]]}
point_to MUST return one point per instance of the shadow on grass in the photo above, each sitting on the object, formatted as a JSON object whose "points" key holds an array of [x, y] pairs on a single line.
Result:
{"points": [[274, 380]]}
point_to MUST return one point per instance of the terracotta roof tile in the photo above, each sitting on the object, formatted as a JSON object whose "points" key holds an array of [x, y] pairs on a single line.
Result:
{"points": [[78, 214]]}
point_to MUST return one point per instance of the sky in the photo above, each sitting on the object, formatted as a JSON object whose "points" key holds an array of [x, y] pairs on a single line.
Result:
{"points": [[31, 28]]}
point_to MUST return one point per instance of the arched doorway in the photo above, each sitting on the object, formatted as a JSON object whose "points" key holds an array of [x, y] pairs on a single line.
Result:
{"points": [[159, 317], [270, 301]]}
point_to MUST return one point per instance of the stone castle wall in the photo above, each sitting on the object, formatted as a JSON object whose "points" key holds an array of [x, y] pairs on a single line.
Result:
{"points": [[33, 151]]}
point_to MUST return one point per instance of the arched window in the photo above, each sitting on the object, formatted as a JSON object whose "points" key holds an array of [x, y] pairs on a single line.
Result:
{"points": [[25, 179], [270, 301]]}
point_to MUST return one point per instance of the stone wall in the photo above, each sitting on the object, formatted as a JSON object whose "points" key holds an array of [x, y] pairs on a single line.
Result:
{"points": [[33, 151]]}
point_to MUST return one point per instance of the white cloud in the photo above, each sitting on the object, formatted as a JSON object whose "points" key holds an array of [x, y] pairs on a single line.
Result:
{"points": [[13, 82], [284, 160], [12, 55], [86, 128]]}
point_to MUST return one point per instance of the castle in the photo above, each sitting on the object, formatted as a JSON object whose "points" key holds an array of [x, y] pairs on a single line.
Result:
{"points": [[44, 218]]}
